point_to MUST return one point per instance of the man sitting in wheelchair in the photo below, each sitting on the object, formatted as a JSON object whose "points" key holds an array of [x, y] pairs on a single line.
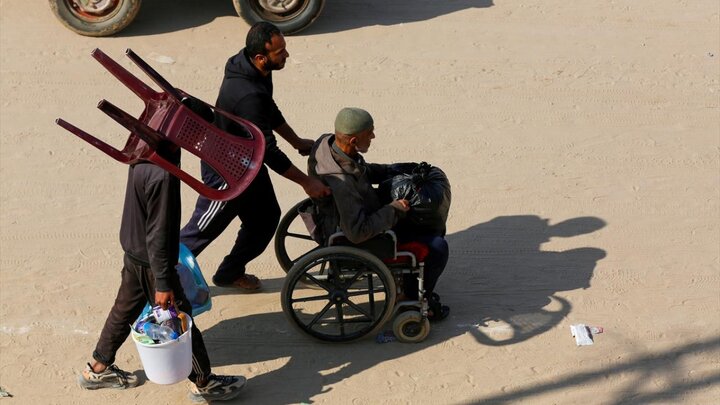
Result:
{"points": [[356, 207]]}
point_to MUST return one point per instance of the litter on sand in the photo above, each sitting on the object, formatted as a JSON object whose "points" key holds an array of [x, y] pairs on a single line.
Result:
{"points": [[161, 58], [385, 337], [583, 334]]}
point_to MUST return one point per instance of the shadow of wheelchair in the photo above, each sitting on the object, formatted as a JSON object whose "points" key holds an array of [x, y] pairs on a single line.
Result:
{"points": [[508, 284], [496, 273]]}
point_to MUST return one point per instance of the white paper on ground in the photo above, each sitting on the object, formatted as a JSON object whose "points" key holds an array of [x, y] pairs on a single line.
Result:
{"points": [[581, 334], [161, 58]]}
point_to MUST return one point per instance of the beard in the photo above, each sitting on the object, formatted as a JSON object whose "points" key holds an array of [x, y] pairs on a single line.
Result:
{"points": [[270, 65]]}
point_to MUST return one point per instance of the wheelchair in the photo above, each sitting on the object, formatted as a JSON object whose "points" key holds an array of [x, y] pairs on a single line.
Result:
{"points": [[340, 292]]}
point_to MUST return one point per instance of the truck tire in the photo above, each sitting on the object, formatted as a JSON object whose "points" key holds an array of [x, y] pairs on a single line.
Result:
{"points": [[98, 18], [290, 16]]}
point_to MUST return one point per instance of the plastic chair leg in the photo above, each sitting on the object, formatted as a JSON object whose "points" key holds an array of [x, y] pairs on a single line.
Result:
{"points": [[154, 75], [109, 150], [147, 134], [138, 87]]}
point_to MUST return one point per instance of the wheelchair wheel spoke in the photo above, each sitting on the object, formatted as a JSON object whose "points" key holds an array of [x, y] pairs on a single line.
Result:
{"points": [[292, 240], [371, 297], [369, 293], [319, 315], [317, 282], [308, 299], [322, 268], [299, 236], [340, 318], [357, 308], [357, 275], [347, 321]]}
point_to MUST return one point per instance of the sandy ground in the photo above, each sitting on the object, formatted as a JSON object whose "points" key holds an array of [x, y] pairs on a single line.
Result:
{"points": [[581, 142]]}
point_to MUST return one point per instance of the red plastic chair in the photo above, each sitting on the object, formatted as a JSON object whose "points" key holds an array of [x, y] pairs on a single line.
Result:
{"points": [[165, 119]]}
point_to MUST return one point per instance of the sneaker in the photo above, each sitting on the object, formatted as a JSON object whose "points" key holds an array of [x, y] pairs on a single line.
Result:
{"points": [[111, 377], [437, 311], [218, 388]]}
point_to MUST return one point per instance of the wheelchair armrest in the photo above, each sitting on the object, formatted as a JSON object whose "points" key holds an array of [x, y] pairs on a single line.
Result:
{"points": [[383, 245]]}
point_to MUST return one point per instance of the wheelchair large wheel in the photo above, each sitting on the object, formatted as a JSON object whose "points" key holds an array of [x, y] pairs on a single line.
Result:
{"points": [[292, 240], [410, 327], [352, 294]]}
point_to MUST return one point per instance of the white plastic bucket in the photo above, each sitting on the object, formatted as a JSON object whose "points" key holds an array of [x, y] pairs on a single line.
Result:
{"points": [[167, 363]]}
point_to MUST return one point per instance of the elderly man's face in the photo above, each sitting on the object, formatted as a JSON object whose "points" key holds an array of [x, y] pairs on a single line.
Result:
{"points": [[363, 140]]}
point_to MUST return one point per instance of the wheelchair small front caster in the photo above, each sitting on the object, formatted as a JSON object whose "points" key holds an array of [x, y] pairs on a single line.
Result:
{"points": [[411, 327]]}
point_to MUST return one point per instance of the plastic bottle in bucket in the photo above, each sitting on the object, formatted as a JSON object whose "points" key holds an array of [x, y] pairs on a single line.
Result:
{"points": [[175, 324], [159, 332]]}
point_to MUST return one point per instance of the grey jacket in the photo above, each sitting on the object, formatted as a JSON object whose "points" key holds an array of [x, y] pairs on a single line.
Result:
{"points": [[354, 206]]}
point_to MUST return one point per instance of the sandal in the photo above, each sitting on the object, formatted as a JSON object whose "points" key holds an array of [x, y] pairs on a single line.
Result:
{"points": [[246, 283]]}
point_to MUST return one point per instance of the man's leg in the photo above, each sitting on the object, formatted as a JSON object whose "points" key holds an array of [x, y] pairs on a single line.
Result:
{"points": [[128, 305], [434, 267], [435, 261], [210, 218], [208, 221], [259, 212]]}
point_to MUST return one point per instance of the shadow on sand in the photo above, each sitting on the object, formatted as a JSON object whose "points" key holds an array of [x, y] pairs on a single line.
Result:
{"points": [[499, 269], [163, 16], [496, 272], [662, 365]]}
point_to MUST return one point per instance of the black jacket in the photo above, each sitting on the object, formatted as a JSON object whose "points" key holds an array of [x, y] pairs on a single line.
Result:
{"points": [[355, 207], [245, 92], [150, 229]]}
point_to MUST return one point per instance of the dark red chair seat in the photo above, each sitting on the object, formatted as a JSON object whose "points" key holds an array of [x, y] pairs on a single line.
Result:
{"points": [[418, 249]]}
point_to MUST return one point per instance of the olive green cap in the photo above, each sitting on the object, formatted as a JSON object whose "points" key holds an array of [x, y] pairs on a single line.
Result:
{"points": [[351, 121]]}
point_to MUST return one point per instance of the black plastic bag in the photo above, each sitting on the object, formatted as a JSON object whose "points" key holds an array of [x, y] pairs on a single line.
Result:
{"points": [[427, 189]]}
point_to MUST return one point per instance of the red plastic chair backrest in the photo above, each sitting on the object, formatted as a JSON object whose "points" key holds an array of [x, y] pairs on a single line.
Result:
{"points": [[166, 119]]}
